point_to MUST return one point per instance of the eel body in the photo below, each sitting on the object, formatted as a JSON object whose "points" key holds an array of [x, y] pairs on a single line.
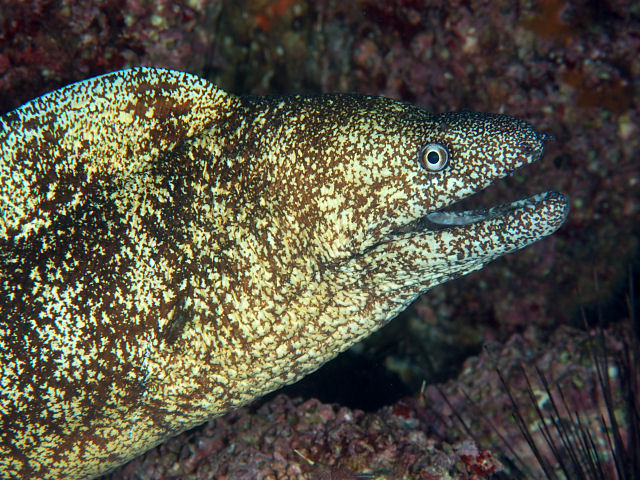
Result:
{"points": [[169, 251]]}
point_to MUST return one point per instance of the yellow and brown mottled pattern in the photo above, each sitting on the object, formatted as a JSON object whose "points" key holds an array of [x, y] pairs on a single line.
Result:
{"points": [[170, 251]]}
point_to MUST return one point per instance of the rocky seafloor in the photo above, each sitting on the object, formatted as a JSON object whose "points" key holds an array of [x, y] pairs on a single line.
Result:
{"points": [[569, 68], [463, 428]]}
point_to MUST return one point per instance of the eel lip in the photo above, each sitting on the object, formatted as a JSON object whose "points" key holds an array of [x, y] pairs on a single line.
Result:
{"points": [[444, 219]]}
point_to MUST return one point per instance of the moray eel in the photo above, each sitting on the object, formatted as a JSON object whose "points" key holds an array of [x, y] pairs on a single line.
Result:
{"points": [[170, 251]]}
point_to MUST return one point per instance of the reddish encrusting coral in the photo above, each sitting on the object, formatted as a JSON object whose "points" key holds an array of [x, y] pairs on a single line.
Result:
{"points": [[45, 44], [279, 438]]}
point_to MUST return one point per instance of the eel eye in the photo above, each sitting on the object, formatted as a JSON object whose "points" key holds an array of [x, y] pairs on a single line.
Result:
{"points": [[433, 157]]}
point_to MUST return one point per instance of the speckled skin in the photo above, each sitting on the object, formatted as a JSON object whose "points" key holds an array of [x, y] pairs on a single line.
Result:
{"points": [[170, 251]]}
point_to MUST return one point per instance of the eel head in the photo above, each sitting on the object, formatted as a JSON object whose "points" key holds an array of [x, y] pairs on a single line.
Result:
{"points": [[381, 181]]}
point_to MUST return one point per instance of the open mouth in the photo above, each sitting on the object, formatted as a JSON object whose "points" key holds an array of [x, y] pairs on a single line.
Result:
{"points": [[446, 219]]}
